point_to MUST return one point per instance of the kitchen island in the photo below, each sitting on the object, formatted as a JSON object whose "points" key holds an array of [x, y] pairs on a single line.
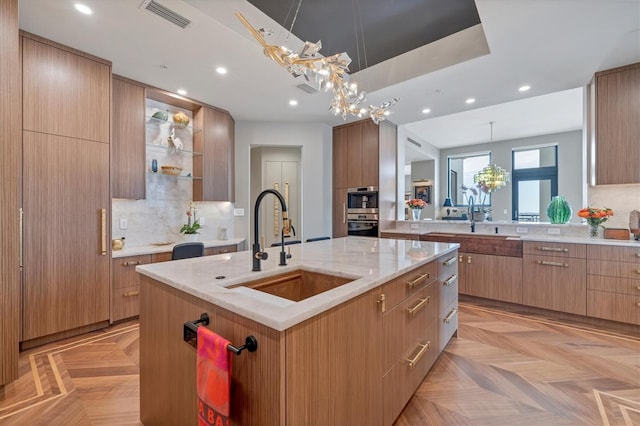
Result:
{"points": [[346, 332]]}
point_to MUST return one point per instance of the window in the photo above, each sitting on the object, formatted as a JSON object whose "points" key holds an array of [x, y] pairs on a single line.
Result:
{"points": [[461, 172], [535, 181]]}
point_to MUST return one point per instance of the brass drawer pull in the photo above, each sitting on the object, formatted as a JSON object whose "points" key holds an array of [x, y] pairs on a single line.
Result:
{"points": [[451, 314], [638, 304], [382, 302], [449, 280], [423, 349], [563, 250], [637, 271], [103, 232], [420, 305], [637, 254], [224, 251], [131, 263], [130, 293], [449, 262], [547, 263], [638, 288], [417, 281]]}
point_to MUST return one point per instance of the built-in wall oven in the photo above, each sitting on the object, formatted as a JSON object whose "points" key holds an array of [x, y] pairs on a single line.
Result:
{"points": [[362, 211]]}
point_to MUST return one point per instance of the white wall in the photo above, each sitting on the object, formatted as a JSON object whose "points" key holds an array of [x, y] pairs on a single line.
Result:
{"points": [[315, 142], [571, 179]]}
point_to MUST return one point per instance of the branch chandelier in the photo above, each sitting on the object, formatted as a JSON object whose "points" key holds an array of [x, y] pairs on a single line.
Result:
{"points": [[492, 177], [330, 73]]}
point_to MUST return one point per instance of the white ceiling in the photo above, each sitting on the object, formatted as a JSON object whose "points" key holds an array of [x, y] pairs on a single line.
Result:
{"points": [[552, 45]]}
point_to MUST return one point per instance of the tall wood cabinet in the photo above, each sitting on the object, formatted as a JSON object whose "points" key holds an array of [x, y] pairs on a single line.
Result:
{"points": [[10, 172], [66, 104], [128, 141], [617, 127]]}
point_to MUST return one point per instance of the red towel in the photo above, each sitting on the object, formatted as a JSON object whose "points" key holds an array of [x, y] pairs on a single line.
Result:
{"points": [[213, 379]]}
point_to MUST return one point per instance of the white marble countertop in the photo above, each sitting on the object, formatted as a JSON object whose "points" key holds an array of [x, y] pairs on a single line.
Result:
{"points": [[370, 262], [163, 248]]}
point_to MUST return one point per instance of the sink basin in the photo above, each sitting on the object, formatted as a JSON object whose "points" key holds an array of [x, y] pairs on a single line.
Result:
{"points": [[296, 285], [497, 245]]}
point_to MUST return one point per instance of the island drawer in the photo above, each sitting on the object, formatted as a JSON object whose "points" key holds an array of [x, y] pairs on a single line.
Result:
{"points": [[125, 303], [614, 269], [555, 249], [448, 324], [448, 265], [614, 306], [614, 253], [404, 286], [448, 290]]}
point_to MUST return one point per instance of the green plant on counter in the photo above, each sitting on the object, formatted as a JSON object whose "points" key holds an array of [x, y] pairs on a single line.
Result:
{"points": [[192, 225]]}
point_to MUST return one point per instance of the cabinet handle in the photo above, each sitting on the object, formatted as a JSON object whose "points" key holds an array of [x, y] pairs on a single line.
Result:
{"points": [[637, 271], [382, 302], [131, 263], [344, 213], [548, 263], [638, 288], [449, 262], [420, 305], [423, 349], [451, 314], [21, 239], [130, 293], [224, 251], [638, 304], [417, 281], [103, 232], [563, 250], [460, 259], [468, 259], [637, 254], [449, 280]]}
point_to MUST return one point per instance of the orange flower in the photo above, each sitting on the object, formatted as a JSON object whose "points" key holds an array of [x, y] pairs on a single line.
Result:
{"points": [[595, 216], [416, 203]]}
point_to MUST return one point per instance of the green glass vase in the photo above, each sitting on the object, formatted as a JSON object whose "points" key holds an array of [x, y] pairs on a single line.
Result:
{"points": [[559, 210]]}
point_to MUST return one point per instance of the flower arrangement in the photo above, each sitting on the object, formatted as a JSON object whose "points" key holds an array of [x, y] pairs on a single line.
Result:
{"points": [[416, 203], [595, 218], [192, 225]]}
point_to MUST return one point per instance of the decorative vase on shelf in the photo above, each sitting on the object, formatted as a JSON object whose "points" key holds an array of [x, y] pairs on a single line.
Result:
{"points": [[559, 210], [595, 231], [479, 216], [415, 214], [191, 237]]}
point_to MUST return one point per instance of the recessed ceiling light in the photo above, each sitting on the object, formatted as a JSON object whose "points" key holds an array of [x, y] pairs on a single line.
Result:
{"points": [[83, 9], [426, 111], [470, 100], [221, 70], [182, 92], [524, 88], [293, 102]]}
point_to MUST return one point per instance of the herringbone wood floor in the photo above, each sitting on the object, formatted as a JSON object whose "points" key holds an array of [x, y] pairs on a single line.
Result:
{"points": [[503, 369]]}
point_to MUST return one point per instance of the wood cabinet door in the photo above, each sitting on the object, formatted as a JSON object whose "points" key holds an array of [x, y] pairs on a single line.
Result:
{"points": [[340, 161], [66, 256], [128, 141], [370, 154], [339, 212], [64, 93], [354, 156], [218, 157], [494, 277], [618, 126]]}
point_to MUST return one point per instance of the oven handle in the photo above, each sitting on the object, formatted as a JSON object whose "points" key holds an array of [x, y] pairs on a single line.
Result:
{"points": [[364, 222]]}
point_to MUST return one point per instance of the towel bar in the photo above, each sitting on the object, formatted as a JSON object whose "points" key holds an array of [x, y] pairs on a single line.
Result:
{"points": [[190, 335]]}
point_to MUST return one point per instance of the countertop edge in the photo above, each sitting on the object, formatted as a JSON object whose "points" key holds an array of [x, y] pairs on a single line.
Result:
{"points": [[154, 249]]}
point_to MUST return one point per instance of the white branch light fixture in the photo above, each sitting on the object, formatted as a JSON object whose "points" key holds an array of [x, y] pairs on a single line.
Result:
{"points": [[329, 72]]}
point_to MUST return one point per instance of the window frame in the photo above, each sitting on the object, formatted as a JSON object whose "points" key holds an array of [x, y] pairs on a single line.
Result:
{"points": [[539, 173], [463, 156]]}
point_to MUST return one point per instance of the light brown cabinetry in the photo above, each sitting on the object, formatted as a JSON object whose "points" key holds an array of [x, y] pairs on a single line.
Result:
{"points": [[128, 141], [613, 283], [448, 299], [66, 99], [491, 277], [125, 286], [211, 251], [339, 213], [554, 276], [399, 236], [216, 165], [617, 151], [10, 178]]}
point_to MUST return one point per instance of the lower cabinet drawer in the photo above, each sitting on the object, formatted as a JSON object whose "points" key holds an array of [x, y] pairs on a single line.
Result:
{"points": [[613, 285], [403, 379], [125, 303], [613, 306], [210, 251], [448, 323], [448, 290]]}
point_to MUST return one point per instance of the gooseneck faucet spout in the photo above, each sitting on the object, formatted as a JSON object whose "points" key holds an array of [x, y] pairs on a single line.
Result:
{"points": [[257, 254], [472, 206]]}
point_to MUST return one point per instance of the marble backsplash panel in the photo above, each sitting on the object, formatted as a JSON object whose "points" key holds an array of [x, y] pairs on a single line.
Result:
{"points": [[156, 220], [621, 198]]}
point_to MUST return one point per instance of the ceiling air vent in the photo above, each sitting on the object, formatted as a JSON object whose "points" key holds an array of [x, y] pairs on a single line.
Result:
{"points": [[307, 88], [419, 145], [166, 13]]}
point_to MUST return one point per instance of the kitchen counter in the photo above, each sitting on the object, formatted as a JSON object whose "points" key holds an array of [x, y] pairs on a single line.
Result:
{"points": [[370, 262], [164, 248]]}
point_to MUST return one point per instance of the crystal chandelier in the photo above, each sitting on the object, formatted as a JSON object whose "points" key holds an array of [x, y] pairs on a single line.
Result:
{"points": [[492, 177], [330, 73]]}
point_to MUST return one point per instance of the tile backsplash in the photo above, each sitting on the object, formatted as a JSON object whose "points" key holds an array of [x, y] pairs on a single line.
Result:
{"points": [[621, 198]]}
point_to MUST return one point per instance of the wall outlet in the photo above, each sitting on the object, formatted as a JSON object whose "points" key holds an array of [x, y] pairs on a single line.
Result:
{"points": [[238, 212], [521, 230], [505, 212], [554, 231], [415, 226], [201, 220], [124, 223]]}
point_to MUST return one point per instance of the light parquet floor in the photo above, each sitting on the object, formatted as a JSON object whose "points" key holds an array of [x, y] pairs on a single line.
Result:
{"points": [[503, 369]]}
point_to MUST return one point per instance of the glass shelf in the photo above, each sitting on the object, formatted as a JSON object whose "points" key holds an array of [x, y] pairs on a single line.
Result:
{"points": [[165, 175], [172, 150], [158, 122]]}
